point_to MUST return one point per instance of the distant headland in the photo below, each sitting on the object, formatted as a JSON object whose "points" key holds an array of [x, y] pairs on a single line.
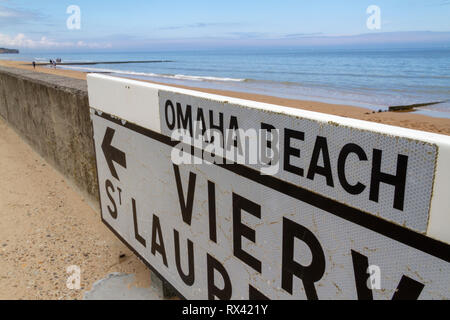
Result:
{"points": [[4, 50]]}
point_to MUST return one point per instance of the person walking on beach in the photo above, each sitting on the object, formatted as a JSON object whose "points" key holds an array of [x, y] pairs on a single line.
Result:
{"points": [[34, 65]]}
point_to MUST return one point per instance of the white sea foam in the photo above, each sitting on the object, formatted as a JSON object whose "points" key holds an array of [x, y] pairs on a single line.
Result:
{"points": [[156, 75]]}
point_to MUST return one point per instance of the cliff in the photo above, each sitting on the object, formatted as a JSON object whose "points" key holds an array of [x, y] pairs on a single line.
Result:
{"points": [[4, 50]]}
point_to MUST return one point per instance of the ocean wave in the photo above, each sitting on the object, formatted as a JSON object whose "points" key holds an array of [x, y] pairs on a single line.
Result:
{"points": [[202, 78], [156, 75]]}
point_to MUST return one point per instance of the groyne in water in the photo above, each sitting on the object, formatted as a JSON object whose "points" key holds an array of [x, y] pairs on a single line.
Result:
{"points": [[87, 63]]}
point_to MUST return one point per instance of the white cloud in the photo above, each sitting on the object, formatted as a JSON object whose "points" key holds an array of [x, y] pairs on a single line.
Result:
{"points": [[22, 41]]}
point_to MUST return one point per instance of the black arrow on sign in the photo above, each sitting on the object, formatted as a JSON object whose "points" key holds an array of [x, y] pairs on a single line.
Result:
{"points": [[112, 154]]}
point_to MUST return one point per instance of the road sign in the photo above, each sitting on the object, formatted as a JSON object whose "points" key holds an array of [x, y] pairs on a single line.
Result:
{"points": [[342, 209]]}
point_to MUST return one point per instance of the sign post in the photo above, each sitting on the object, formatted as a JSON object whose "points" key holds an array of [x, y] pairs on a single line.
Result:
{"points": [[232, 199]]}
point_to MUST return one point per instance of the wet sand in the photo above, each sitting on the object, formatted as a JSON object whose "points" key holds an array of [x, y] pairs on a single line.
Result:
{"points": [[402, 119]]}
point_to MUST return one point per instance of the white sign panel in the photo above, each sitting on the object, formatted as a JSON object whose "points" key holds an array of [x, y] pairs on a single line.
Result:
{"points": [[384, 175], [342, 213]]}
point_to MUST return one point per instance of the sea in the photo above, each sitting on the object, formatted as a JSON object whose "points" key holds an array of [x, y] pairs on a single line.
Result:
{"points": [[370, 78]]}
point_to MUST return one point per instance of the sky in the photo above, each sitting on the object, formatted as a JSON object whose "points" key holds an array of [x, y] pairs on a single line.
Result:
{"points": [[150, 24]]}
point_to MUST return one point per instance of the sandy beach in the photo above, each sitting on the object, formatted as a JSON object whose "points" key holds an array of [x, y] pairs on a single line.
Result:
{"points": [[402, 119], [46, 226]]}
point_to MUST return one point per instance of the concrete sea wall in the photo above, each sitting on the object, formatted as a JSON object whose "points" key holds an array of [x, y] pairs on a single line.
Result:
{"points": [[52, 114]]}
